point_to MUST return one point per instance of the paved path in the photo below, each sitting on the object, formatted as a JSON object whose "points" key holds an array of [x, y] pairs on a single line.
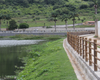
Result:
{"points": [[58, 27], [67, 25], [92, 36], [77, 69]]}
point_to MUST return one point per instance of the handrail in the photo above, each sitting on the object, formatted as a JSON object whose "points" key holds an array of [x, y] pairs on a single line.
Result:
{"points": [[84, 47]]}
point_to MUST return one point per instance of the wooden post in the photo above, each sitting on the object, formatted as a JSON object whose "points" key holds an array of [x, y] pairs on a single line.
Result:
{"points": [[75, 43], [90, 56], [70, 39], [80, 46], [95, 55], [86, 59], [67, 36], [83, 46]]}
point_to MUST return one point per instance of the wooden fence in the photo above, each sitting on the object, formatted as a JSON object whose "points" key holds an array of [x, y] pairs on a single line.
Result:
{"points": [[86, 48]]}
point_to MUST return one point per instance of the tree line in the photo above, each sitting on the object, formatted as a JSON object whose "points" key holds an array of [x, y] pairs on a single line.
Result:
{"points": [[51, 9], [26, 3], [43, 7]]}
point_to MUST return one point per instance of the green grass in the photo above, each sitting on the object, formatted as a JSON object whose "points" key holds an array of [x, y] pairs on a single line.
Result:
{"points": [[47, 61], [43, 20], [28, 37], [82, 26]]}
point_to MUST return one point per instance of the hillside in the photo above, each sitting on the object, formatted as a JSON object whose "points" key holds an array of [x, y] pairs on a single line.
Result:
{"points": [[43, 7], [39, 11]]}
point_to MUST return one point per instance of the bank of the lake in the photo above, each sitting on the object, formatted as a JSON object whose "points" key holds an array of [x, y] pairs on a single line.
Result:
{"points": [[11, 54], [47, 61], [32, 37]]}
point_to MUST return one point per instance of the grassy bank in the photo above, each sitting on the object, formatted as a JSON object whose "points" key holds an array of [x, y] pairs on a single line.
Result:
{"points": [[32, 37], [83, 26], [47, 61]]}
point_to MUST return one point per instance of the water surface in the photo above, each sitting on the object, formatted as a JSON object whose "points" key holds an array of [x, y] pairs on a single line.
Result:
{"points": [[10, 52], [6, 43]]}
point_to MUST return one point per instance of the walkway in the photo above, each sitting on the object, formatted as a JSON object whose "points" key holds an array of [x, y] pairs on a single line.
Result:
{"points": [[77, 69]]}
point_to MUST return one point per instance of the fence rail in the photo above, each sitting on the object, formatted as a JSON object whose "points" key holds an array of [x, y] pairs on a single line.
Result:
{"points": [[86, 48]]}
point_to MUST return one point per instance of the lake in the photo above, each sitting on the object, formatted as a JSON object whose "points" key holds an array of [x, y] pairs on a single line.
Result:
{"points": [[11, 52]]}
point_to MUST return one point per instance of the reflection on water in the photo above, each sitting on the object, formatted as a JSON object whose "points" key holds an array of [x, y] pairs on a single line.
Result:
{"points": [[9, 56], [17, 42]]}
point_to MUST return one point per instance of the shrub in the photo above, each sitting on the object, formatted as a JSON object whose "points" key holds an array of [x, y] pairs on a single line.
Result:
{"points": [[83, 6], [50, 19], [37, 18], [12, 25], [23, 25], [48, 27]]}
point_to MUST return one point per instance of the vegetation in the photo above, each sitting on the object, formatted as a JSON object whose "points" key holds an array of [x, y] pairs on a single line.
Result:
{"points": [[83, 26], [12, 25], [28, 37], [43, 20], [48, 27], [54, 15], [45, 62], [73, 16], [43, 7], [37, 12], [23, 26], [5, 17], [65, 18]]}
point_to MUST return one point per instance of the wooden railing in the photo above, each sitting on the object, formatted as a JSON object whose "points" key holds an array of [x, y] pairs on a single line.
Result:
{"points": [[86, 48]]}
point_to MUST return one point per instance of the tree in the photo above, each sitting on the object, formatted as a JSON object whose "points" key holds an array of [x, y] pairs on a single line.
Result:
{"points": [[2, 17], [54, 15], [95, 5], [0, 21], [83, 6], [82, 20], [7, 17], [73, 16], [36, 18], [65, 18], [12, 25]]}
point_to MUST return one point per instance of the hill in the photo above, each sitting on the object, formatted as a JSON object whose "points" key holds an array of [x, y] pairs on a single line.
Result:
{"points": [[44, 7], [38, 11]]}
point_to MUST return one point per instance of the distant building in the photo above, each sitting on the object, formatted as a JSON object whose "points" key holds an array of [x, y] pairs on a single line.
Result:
{"points": [[89, 23]]}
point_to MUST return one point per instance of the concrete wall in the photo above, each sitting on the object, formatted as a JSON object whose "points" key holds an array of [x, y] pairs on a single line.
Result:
{"points": [[98, 29]]}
